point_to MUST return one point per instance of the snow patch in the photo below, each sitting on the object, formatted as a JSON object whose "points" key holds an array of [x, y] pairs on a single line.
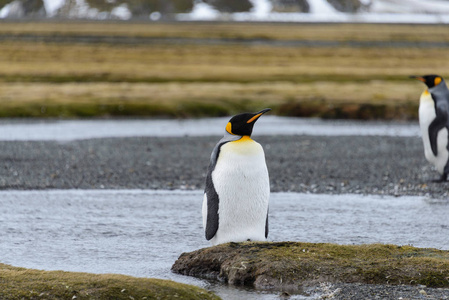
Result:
{"points": [[321, 7], [13, 10], [52, 6], [122, 12], [155, 16], [4, 12], [410, 6], [261, 8], [201, 11], [365, 2], [378, 11]]}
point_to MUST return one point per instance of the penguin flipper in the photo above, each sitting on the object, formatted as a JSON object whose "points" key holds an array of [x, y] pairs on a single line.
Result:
{"points": [[211, 195], [437, 124], [212, 208]]}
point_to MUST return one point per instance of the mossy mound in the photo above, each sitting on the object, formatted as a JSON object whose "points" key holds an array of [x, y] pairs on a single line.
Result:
{"points": [[291, 265], [20, 283]]}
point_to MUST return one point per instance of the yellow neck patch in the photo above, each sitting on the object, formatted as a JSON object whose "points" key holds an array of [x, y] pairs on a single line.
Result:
{"points": [[426, 92], [437, 80], [244, 138]]}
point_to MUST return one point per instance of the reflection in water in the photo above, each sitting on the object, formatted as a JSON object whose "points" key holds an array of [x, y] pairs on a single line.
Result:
{"points": [[141, 233]]}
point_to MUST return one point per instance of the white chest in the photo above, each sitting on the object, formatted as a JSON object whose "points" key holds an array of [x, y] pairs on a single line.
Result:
{"points": [[426, 116], [241, 168], [241, 181], [426, 111]]}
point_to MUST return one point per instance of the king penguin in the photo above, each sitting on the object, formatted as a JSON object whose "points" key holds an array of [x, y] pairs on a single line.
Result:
{"points": [[235, 203], [434, 123]]}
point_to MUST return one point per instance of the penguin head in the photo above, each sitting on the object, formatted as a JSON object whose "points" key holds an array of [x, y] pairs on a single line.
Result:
{"points": [[242, 124], [430, 80]]}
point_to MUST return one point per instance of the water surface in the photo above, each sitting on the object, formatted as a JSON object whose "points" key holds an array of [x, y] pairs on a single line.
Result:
{"points": [[142, 232], [66, 130]]}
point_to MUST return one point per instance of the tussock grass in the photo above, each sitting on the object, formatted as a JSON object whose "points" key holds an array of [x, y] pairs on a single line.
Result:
{"points": [[181, 99], [71, 79], [23, 61], [274, 31], [20, 283]]}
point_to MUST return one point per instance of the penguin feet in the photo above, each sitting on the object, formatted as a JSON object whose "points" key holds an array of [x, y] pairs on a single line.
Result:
{"points": [[443, 178]]}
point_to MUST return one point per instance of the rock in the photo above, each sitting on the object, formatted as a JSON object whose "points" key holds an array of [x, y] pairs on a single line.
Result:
{"points": [[165, 8], [293, 266], [230, 6], [291, 6], [350, 6], [138, 9]]}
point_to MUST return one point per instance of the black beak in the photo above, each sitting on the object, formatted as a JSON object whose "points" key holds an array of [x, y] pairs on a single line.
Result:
{"points": [[264, 111], [257, 115], [417, 78]]}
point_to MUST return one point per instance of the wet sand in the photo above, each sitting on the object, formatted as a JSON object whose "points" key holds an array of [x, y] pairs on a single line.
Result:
{"points": [[316, 164]]}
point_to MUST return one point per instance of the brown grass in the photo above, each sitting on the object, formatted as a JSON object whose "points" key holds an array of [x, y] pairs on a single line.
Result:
{"points": [[287, 31], [160, 78]]}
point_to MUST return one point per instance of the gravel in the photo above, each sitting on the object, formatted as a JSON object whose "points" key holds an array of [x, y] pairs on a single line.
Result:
{"points": [[357, 291], [308, 164]]}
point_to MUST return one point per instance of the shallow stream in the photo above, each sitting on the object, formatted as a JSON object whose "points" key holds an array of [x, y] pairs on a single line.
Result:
{"points": [[142, 232]]}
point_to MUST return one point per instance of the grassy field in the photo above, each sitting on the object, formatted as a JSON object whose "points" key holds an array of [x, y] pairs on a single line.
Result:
{"points": [[51, 70], [20, 283]]}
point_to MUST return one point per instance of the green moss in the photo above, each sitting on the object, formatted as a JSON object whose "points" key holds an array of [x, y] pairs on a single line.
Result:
{"points": [[19, 283], [287, 264]]}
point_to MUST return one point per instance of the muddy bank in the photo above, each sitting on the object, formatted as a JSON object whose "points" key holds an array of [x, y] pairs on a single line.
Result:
{"points": [[315, 164], [327, 268]]}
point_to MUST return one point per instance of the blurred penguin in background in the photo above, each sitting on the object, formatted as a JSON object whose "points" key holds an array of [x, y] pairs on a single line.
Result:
{"points": [[434, 122]]}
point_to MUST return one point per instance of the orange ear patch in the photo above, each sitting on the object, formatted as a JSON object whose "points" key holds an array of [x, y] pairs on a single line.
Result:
{"points": [[253, 118], [229, 128], [437, 80]]}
